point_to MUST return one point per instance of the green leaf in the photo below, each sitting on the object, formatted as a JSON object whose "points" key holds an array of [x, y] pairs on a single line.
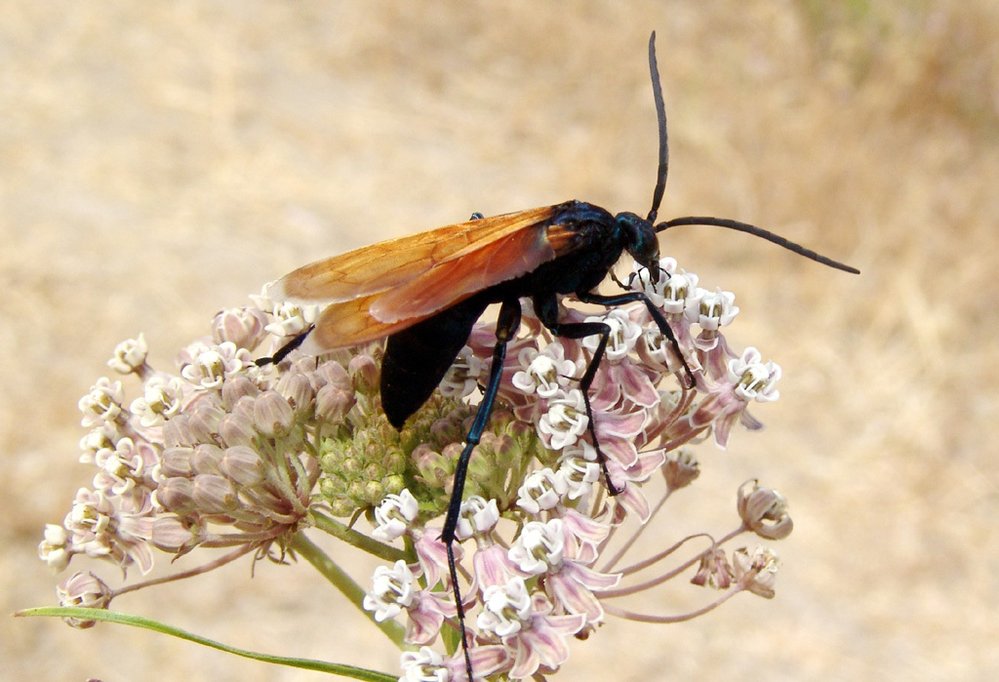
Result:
{"points": [[148, 624]]}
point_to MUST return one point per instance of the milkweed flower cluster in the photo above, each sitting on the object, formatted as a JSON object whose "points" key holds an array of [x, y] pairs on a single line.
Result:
{"points": [[223, 453]]}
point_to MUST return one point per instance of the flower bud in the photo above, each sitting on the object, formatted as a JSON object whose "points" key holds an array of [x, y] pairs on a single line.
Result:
{"points": [[237, 429], [204, 422], [364, 372], [177, 431], [272, 415], [296, 389], [243, 466], [764, 511], [170, 534], [332, 402], [243, 326], [215, 494], [680, 469], [83, 589], [236, 387], [206, 458], [332, 372], [177, 495], [176, 461]]}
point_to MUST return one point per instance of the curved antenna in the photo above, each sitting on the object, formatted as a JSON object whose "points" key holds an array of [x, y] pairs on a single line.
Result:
{"points": [[657, 93], [757, 232]]}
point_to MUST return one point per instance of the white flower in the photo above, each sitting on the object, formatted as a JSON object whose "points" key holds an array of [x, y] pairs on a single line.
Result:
{"points": [[565, 421], [542, 489], [539, 547], [393, 589], [544, 372], [292, 318], [506, 608], [161, 399], [477, 516], [754, 380], [212, 364], [54, 547], [580, 469], [425, 665], [102, 403], [393, 515], [129, 355], [711, 309], [624, 334]]}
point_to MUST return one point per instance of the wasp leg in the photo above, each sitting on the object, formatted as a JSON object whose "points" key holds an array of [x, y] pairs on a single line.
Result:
{"points": [[506, 328], [285, 349], [546, 309], [657, 315]]}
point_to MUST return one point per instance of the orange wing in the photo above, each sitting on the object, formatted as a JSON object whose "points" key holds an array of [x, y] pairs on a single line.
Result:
{"points": [[394, 262], [384, 288]]}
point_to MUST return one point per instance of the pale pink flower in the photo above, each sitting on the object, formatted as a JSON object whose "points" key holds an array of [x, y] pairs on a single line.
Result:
{"points": [[129, 355], [536, 639], [394, 515], [565, 421], [544, 372], [102, 404]]}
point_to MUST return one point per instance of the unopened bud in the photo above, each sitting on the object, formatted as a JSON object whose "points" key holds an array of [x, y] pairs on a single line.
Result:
{"points": [[215, 494], [177, 495], [243, 465], [272, 415], [680, 469], [170, 534], [85, 590], [364, 371], [176, 461], [764, 511], [206, 458], [332, 402]]}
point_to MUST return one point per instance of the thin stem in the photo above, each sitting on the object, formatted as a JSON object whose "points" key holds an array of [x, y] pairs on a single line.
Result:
{"points": [[646, 618], [638, 531], [669, 575], [352, 537], [190, 573], [658, 556], [343, 582]]}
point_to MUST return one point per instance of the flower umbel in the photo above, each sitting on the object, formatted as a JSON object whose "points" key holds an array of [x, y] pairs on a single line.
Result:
{"points": [[221, 453]]}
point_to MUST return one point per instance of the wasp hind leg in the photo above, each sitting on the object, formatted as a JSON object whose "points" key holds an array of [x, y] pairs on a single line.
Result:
{"points": [[506, 329]]}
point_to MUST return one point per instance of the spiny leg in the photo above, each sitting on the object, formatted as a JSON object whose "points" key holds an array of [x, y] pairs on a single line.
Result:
{"points": [[546, 309], [657, 316], [506, 328]]}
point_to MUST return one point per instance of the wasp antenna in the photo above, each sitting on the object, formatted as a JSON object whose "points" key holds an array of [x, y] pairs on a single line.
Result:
{"points": [[657, 93], [757, 232]]}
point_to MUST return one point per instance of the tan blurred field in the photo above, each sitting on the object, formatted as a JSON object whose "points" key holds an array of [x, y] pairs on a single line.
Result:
{"points": [[159, 161]]}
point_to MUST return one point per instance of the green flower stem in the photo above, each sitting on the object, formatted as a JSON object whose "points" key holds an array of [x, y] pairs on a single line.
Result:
{"points": [[343, 582], [360, 540], [350, 671]]}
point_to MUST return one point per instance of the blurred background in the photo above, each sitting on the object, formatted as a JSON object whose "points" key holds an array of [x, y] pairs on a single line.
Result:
{"points": [[160, 161]]}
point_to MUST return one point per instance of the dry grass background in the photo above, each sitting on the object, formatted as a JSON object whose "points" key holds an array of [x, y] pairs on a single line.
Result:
{"points": [[161, 161]]}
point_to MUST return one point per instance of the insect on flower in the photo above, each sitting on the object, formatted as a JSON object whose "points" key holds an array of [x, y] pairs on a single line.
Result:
{"points": [[423, 294]]}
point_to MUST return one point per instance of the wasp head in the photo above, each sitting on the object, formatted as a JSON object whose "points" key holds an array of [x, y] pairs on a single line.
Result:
{"points": [[640, 241]]}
